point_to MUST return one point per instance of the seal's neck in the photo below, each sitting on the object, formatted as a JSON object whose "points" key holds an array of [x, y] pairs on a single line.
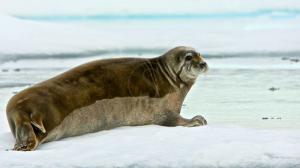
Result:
{"points": [[168, 73], [172, 77]]}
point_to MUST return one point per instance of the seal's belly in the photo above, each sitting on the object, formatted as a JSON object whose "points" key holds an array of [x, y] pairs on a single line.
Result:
{"points": [[111, 113]]}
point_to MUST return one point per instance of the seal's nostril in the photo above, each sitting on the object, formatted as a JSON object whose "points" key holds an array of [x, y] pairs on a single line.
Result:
{"points": [[202, 64]]}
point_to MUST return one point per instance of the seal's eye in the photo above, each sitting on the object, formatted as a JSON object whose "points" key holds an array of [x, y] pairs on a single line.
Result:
{"points": [[189, 57]]}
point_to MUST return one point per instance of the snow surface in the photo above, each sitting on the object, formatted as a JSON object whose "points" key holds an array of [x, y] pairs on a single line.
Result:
{"points": [[156, 146], [263, 34], [26, 37], [35, 7], [234, 96], [236, 135]]}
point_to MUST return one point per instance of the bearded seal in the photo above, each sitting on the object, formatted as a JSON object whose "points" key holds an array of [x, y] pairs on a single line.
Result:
{"points": [[106, 94]]}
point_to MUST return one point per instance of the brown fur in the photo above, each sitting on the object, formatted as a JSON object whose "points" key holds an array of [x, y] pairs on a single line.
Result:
{"points": [[100, 95]]}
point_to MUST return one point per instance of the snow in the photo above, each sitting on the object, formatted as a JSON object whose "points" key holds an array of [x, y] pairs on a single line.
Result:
{"points": [[156, 146], [34, 7], [245, 60], [236, 135], [21, 37]]}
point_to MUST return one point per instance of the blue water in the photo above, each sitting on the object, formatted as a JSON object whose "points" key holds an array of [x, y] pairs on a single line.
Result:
{"points": [[272, 13]]}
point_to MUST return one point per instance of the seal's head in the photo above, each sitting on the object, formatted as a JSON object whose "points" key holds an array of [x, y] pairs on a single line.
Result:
{"points": [[185, 63]]}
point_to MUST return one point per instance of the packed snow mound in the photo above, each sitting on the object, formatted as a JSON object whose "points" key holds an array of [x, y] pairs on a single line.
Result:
{"points": [[157, 146]]}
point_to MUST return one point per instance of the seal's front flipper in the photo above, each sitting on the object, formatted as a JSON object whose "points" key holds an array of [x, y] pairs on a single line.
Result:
{"points": [[25, 137], [194, 122]]}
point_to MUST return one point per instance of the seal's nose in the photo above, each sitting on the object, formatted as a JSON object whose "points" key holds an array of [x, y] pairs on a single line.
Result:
{"points": [[203, 64]]}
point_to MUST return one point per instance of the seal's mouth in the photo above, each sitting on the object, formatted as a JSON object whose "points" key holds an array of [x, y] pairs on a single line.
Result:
{"points": [[196, 68], [201, 67]]}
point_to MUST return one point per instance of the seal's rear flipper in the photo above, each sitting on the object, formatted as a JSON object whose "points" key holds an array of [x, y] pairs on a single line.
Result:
{"points": [[39, 125], [25, 137], [36, 121]]}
